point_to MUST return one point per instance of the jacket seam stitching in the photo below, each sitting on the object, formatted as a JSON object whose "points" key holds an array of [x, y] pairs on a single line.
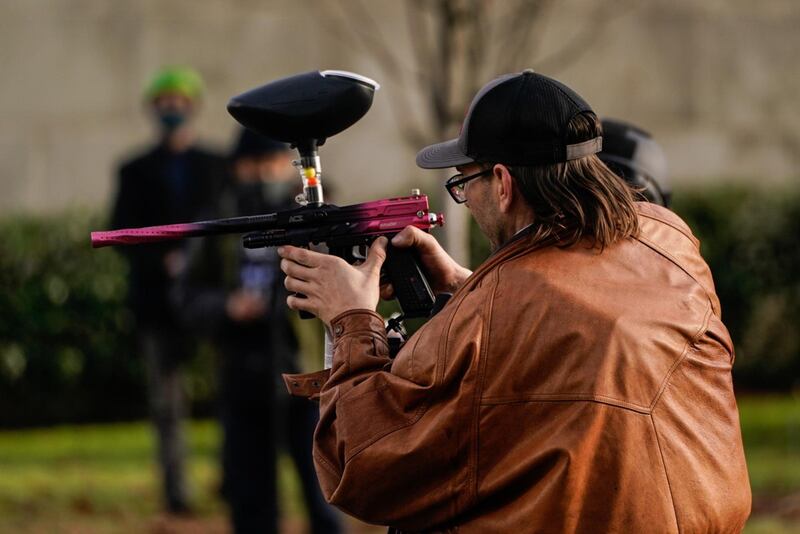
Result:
{"points": [[356, 333], [493, 262], [488, 309], [439, 376], [666, 254], [546, 397], [413, 349], [356, 311], [650, 244], [325, 463], [391, 430], [666, 474], [385, 343], [350, 398], [681, 359], [345, 509], [688, 236]]}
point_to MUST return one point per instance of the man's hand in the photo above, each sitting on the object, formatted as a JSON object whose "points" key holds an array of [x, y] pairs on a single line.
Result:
{"points": [[331, 285], [242, 306], [444, 274]]}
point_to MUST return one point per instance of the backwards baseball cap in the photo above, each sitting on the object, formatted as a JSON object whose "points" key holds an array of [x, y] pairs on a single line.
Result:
{"points": [[180, 80], [516, 119]]}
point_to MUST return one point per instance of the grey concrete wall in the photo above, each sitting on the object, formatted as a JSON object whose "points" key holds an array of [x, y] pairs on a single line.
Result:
{"points": [[715, 81]]}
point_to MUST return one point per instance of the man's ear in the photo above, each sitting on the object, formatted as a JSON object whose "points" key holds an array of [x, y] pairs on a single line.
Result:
{"points": [[506, 191]]}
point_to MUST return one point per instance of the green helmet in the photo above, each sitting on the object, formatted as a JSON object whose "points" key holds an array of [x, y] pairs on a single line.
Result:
{"points": [[181, 80]]}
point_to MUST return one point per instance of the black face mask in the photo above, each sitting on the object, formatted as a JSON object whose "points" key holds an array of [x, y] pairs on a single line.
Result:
{"points": [[171, 120]]}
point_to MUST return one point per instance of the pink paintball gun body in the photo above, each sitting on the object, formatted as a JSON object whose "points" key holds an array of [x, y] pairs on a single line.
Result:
{"points": [[346, 231]]}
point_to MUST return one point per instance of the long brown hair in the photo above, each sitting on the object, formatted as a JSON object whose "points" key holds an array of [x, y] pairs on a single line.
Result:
{"points": [[579, 199]]}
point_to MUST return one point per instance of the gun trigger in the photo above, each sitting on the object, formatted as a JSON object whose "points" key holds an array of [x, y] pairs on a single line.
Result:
{"points": [[359, 252]]}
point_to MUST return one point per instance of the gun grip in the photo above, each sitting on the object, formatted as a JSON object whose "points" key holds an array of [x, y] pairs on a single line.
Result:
{"points": [[411, 288]]}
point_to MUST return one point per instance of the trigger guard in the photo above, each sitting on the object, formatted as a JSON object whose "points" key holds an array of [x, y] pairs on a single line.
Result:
{"points": [[358, 252]]}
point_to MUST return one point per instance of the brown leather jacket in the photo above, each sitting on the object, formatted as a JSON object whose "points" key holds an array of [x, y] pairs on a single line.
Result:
{"points": [[560, 390]]}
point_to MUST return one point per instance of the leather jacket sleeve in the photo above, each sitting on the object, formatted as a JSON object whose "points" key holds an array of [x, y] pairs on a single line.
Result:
{"points": [[381, 440]]}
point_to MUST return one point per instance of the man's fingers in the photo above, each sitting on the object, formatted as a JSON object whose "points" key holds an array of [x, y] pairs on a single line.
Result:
{"points": [[298, 286], [296, 270], [303, 256], [304, 304], [376, 255], [408, 237]]}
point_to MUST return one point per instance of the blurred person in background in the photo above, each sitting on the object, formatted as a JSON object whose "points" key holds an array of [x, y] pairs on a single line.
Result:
{"points": [[169, 182], [634, 155], [237, 296]]}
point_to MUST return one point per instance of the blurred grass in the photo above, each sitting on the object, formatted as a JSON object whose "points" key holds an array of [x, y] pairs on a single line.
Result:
{"points": [[770, 525], [102, 478], [55, 474], [85, 470], [771, 432]]}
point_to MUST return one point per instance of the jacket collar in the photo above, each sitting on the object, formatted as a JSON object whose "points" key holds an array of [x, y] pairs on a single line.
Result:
{"points": [[516, 246]]}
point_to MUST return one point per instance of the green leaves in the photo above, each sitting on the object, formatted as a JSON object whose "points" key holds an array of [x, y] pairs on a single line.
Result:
{"points": [[66, 338], [750, 237]]}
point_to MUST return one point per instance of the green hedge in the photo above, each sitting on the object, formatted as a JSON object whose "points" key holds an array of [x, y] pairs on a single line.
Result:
{"points": [[67, 350], [66, 345], [751, 240]]}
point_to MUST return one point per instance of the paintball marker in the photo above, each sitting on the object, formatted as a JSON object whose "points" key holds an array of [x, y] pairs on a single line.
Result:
{"points": [[304, 110]]}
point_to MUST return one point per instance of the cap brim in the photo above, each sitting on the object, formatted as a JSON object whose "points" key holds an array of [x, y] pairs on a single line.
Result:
{"points": [[442, 155]]}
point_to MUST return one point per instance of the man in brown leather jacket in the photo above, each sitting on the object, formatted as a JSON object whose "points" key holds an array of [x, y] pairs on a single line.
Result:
{"points": [[578, 381]]}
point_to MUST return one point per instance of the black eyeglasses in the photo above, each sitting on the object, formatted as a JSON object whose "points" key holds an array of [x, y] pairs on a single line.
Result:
{"points": [[458, 182]]}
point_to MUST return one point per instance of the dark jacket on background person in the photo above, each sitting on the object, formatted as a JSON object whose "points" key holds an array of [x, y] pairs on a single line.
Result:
{"points": [[160, 187], [163, 187], [250, 353], [559, 390], [256, 412], [215, 268]]}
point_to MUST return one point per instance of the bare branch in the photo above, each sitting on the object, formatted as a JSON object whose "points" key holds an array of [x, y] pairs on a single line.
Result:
{"points": [[366, 29], [414, 138], [334, 28], [476, 46], [439, 89], [598, 22], [453, 45], [529, 29], [422, 50], [520, 28], [420, 44], [360, 21]]}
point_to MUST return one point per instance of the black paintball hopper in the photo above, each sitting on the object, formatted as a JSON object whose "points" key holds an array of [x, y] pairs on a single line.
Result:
{"points": [[305, 109]]}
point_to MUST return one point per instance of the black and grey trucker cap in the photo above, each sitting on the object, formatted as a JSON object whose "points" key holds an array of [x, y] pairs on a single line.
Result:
{"points": [[516, 119]]}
